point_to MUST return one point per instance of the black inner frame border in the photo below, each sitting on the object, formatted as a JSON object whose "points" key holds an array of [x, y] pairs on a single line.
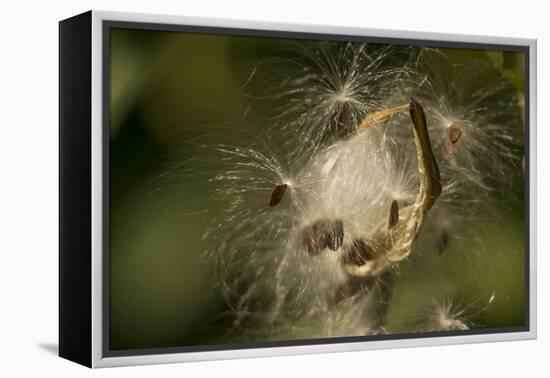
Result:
{"points": [[107, 25]]}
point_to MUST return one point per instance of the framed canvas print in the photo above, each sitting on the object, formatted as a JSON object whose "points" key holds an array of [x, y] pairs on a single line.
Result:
{"points": [[234, 189]]}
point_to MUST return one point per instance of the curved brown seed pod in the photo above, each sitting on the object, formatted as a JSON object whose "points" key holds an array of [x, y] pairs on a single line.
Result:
{"points": [[398, 247], [376, 117], [394, 214], [277, 194], [430, 178]]}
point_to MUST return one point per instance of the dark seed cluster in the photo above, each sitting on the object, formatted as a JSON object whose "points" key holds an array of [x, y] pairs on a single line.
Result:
{"points": [[322, 234], [325, 233]]}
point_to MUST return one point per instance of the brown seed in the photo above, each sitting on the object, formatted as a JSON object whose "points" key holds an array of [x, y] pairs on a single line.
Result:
{"points": [[335, 234], [316, 237], [277, 194], [358, 252], [322, 234], [454, 134], [394, 214], [442, 242], [336, 117]]}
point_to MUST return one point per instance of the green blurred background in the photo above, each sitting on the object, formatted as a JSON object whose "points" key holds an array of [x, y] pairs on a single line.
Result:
{"points": [[170, 87]]}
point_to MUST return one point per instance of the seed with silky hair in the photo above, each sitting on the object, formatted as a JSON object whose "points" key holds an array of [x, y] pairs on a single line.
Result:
{"points": [[323, 233], [394, 214], [454, 134], [277, 194], [336, 117], [335, 235], [358, 252]]}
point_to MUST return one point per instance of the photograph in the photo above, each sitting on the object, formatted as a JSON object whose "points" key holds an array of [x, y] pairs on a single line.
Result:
{"points": [[278, 189], [275, 189]]}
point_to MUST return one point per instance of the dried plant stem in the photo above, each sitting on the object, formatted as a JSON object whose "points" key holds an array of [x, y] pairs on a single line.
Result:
{"points": [[376, 117], [392, 246], [394, 243]]}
